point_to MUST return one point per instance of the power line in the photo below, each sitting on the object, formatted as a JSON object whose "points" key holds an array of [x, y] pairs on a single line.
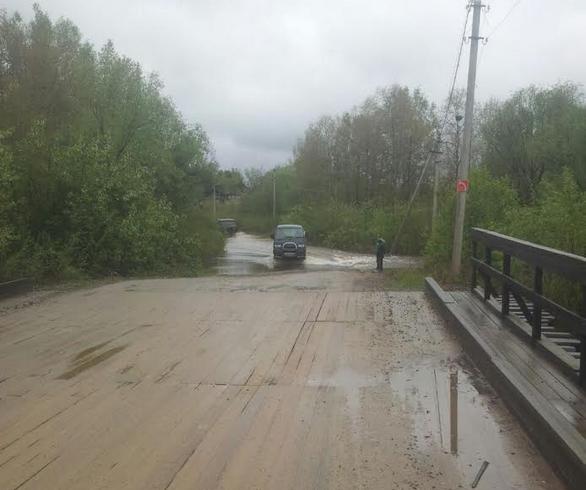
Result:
{"points": [[504, 19], [497, 27], [433, 150], [456, 69]]}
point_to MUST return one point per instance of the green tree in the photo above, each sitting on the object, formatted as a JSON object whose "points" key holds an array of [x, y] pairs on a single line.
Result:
{"points": [[534, 133], [100, 173]]}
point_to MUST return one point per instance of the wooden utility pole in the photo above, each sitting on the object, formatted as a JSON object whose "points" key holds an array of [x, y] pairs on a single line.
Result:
{"points": [[436, 175], [435, 191], [214, 205], [462, 184], [274, 199], [454, 412]]}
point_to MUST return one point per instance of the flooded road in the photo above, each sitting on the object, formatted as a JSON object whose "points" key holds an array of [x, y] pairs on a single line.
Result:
{"points": [[248, 254], [297, 380]]}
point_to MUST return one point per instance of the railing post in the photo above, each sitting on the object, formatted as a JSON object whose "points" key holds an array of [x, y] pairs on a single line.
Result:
{"points": [[538, 288], [488, 260], [582, 367], [506, 272], [474, 279]]}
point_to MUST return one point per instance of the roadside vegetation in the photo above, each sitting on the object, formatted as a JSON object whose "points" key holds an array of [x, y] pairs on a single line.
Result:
{"points": [[99, 173], [352, 175], [404, 279]]}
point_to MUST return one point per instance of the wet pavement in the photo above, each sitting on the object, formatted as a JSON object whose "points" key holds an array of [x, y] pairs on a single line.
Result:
{"points": [[248, 254], [310, 379]]}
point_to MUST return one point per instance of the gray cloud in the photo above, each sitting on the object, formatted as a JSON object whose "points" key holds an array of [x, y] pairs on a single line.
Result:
{"points": [[254, 73]]}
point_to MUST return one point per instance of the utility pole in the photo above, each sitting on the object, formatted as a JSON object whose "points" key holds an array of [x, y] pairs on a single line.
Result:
{"points": [[458, 119], [436, 177], [435, 191], [214, 205], [274, 199], [462, 184]]}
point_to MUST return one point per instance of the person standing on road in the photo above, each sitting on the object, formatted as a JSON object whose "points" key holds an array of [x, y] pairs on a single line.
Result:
{"points": [[381, 246]]}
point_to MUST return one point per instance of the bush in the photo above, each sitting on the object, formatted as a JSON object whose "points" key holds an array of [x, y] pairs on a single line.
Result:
{"points": [[557, 220], [100, 174], [356, 227], [488, 203]]}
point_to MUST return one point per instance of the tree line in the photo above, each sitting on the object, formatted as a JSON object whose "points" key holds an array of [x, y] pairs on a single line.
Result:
{"points": [[99, 172], [352, 174]]}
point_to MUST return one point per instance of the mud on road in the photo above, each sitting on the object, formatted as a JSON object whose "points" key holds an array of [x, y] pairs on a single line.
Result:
{"points": [[286, 380]]}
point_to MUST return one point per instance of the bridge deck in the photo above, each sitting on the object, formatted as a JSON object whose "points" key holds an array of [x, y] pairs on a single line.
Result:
{"points": [[549, 402], [285, 380]]}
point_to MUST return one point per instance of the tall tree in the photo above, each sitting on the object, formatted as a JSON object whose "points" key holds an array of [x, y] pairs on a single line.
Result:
{"points": [[535, 132], [105, 173]]}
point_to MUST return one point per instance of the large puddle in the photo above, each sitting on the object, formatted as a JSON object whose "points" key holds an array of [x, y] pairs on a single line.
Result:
{"points": [[247, 254]]}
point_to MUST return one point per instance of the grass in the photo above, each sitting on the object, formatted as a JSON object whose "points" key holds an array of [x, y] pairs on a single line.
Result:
{"points": [[404, 279]]}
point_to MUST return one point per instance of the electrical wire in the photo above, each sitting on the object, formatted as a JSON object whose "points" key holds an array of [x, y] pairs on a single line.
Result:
{"points": [[433, 150], [456, 69], [504, 19]]}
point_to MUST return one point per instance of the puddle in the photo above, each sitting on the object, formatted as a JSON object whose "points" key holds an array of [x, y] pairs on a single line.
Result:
{"points": [[450, 415]]}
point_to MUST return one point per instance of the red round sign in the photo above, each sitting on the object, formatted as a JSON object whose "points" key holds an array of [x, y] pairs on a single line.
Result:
{"points": [[462, 185]]}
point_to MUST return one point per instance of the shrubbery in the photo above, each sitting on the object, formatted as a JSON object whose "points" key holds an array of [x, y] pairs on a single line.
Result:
{"points": [[488, 203], [111, 222], [556, 219], [356, 227], [99, 174]]}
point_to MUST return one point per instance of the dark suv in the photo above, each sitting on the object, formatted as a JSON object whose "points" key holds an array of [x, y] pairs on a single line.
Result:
{"points": [[289, 242], [228, 225]]}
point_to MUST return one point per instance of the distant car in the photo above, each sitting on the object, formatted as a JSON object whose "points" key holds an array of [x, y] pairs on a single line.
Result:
{"points": [[228, 225], [289, 242]]}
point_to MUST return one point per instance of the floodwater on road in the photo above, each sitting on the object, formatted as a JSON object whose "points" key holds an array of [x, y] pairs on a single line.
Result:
{"points": [[248, 254]]}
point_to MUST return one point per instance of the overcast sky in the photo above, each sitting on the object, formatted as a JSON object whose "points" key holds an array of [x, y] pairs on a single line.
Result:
{"points": [[255, 73]]}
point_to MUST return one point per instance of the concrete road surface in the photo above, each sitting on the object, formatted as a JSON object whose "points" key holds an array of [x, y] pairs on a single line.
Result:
{"points": [[284, 380]]}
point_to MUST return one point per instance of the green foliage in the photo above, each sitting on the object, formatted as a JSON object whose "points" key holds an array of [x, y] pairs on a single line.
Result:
{"points": [[535, 133], [329, 222], [254, 210], [557, 220], [7, 203], [489, 201], [229, 184], [99, 172], [356, 227], [532, 183], [374, 153], [404, 279]]}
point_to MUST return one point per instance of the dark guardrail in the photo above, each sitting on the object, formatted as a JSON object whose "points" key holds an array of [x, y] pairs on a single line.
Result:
{"points": [[531, 299]]}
